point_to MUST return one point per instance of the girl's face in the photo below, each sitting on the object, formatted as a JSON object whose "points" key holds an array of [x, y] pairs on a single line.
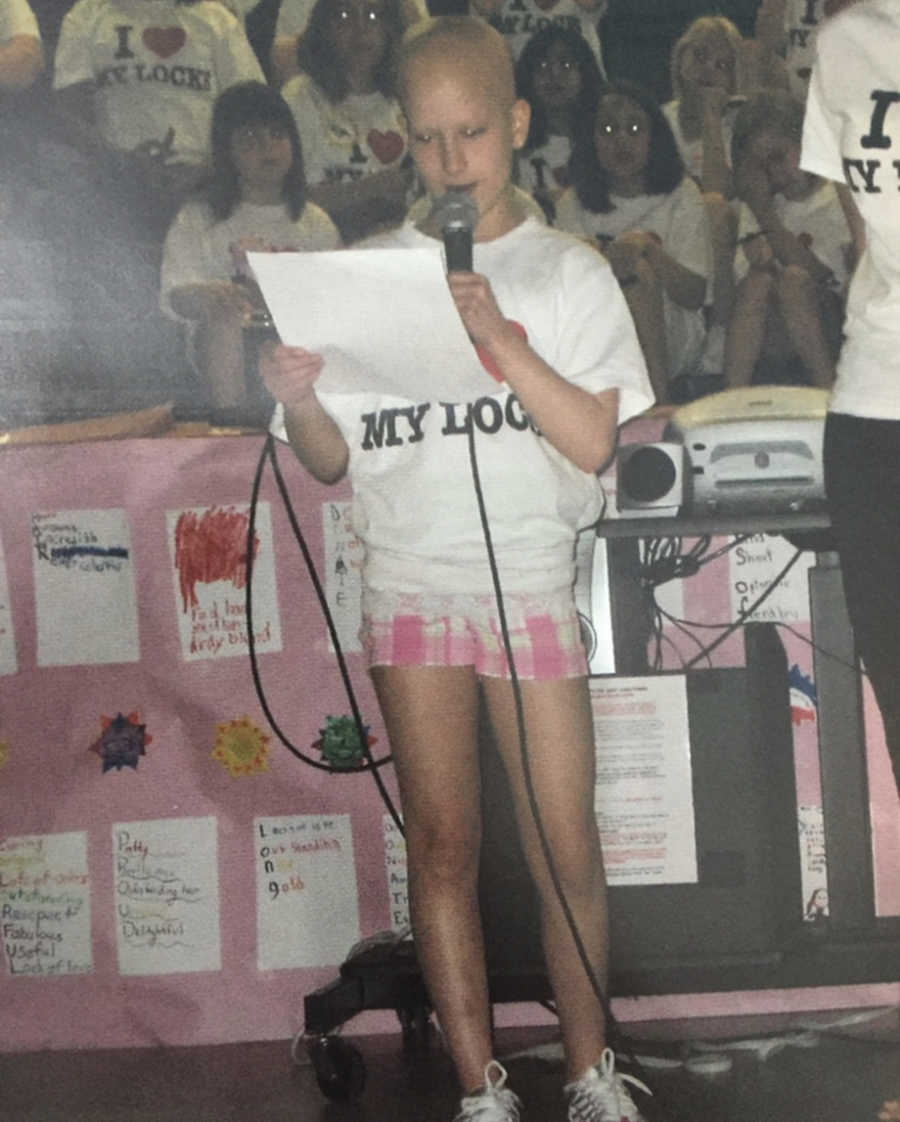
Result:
{"points": [[557, 78], [359, 30], [262, 156], [779, 155], [708, 61], [622, 143]]}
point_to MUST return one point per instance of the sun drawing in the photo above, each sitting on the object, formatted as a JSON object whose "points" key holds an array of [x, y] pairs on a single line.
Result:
{"points": [[241, 747]]}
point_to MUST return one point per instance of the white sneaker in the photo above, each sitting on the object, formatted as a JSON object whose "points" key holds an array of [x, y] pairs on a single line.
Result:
{"points": [[600, 1095], [494, 1104]]}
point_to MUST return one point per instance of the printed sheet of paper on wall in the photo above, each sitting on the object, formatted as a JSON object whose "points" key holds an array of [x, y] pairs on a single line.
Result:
{"points": [[8, 660], [644, 798]]}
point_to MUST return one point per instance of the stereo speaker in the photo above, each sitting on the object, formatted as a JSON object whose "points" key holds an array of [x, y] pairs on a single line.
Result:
{"points": [[650, 479]]}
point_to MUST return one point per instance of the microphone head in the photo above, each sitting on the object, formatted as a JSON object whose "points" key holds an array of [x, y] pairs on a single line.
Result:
{"points": [[454, 210]]}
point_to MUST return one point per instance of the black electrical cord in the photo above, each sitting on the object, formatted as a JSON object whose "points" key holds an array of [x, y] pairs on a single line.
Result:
{"points": [[614, 1031], [268, 455]]}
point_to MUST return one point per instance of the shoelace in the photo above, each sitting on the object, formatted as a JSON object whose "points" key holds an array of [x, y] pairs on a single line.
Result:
{"points": [[497, 1105], [603, 1092]]}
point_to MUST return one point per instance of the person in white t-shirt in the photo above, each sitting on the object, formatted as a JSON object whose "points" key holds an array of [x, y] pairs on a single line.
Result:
{"points": [[851, 134], [254, 200], [354, 138], [518, 20], [557, 74], [21, 50], [791, 266], [631, 198], [562, 369], [138, 79]]}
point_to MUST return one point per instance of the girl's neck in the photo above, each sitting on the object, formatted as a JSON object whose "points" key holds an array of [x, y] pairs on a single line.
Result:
{"points": [[362, 83], [559, 122], [262, 195], [629, 188]]}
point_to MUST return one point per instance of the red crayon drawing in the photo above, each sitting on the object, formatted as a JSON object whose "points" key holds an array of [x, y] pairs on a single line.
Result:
{"points": [[211, 546]]}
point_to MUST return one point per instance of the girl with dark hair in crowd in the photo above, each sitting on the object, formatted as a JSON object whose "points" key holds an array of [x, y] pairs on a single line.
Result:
{"points": [[255, 199], [558, 75], [354, 139], [631, 197]]}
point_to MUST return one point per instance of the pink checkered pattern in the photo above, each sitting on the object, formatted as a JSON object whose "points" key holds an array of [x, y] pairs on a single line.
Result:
{"points": [[546, 644]]}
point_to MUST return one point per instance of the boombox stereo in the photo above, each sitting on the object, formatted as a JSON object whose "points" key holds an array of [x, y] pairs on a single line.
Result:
{"points": [[757, 449]]}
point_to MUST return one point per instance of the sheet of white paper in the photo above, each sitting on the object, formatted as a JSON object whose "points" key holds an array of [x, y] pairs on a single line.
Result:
{"points": [[307, 906], [45, 899], [343, 566], [8, 661], [755, 564], [397, 874], [208, 546], [166, 874], [84, 588], [644, 797], [383, 318]]}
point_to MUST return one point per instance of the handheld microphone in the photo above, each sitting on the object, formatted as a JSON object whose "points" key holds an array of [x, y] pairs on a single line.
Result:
{"points": [[455, 215]]}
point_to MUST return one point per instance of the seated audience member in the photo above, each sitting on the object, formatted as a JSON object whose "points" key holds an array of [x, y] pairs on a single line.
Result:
{"points": [[631, 197], [21, 51], [518, 20], [293, 16], [255, 199], [791, 263], [558, 75], [137, 79], [351, 127], [707, 82]]}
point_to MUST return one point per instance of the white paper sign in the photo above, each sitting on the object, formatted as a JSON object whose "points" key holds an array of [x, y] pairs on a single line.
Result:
{"points": [[8, 661], [813, 867], [84, 588], [374, 314], [397, 876], [755, 564], [45, 905], [209, 555], [166, 882], [343, 566], [307, 908], [644, 798]]}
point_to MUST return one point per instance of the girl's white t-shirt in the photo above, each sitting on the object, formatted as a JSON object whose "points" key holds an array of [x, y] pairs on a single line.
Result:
{"points": [[801, 22], [851, 134], [345, 141], [818, 220], [680, 221], [545, 169], [17, 18], [198, 249], [414, 505], [157, 66], [518, 20]]}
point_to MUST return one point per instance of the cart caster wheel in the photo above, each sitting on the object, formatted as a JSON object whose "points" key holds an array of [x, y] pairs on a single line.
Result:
{"points": [[339, 1067]]}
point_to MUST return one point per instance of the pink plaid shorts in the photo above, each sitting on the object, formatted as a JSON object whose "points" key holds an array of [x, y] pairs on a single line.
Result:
{"points": [[408, 629]]}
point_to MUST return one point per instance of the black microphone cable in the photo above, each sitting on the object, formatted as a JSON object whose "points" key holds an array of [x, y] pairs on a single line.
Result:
{"points": [[614, 1031], [268, 455]]}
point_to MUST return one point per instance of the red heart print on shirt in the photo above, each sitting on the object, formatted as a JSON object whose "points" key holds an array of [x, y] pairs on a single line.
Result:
{"points": [[487, 361], [386, 146], [164, 41]]}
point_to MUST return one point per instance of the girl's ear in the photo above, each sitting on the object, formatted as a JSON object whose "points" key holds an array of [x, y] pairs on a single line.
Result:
{"points": [[521, 120]]}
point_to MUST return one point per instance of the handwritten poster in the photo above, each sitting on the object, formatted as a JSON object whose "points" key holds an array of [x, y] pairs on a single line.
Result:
{"points": [[8, 661], [209, 555], [307, 908], [343, 562], [45, 905], [644, 798], [397, 877], [166, 881], [754, 565], [84, 588]]}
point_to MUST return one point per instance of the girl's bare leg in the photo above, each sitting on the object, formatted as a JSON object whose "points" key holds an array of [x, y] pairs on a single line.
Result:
{"points": [[800, 307], [747, 329], [431, 718], [560, 749], [644, 296]]}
